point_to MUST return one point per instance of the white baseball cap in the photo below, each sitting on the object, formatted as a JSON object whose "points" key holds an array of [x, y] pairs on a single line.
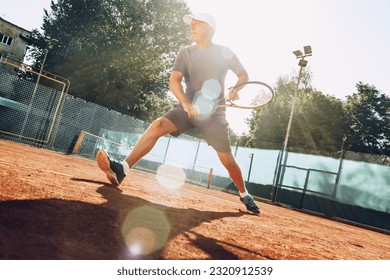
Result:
{"points": [[201, 17]]}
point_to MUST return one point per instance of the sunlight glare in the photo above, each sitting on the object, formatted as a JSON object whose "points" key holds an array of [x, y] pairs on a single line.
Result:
{"points": [[170, 177], [140, 241], [206, 99], [145, 230]]}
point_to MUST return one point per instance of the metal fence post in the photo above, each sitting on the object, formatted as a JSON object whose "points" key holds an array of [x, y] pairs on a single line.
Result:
{"points": [[304, 188], [166, 150], [336, 185], [277, 176], [196, 155], [342, 153], [210, 178], [250, 166]]}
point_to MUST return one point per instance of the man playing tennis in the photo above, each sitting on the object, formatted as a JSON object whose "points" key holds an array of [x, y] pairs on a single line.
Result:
{"points": [[203, 66]]}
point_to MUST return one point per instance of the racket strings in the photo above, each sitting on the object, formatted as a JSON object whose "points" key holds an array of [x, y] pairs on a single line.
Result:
{"points": [[254, 95], [250, 95], [262, 98]]}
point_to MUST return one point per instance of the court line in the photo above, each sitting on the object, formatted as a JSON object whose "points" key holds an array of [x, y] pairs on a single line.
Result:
{"points": [[37, 169]]}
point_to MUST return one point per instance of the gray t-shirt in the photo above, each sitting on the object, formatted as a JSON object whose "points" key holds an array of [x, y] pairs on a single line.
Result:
{"points": [[206, 65]]}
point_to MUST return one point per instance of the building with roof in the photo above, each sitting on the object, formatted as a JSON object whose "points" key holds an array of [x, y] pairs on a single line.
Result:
{"points": [[13, 43]]}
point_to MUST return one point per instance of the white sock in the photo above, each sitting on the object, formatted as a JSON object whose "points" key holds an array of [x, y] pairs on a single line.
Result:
{"points": [[126, 167], [244, 193]]}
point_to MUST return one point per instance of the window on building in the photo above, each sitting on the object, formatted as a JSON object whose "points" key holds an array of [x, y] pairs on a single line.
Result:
{"points": [[6, 40]]}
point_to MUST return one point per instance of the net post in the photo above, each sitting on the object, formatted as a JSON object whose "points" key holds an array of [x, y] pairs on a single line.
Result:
{"points": [[209, 179], [78, 142]]}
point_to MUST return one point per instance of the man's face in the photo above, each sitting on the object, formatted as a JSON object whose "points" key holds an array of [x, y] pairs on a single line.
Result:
{"points": [[200, 31]]}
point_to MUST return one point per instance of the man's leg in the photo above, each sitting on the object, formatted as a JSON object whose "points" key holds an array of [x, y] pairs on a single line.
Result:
{"points": [[228, 160], [145, 144], [115, 171]]}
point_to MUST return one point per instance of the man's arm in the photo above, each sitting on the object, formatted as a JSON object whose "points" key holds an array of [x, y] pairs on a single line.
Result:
{"points": [[242, 78], [177, 89]]}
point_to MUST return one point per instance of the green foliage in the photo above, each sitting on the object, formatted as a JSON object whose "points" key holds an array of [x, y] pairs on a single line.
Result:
{"points": [[117, 53], [369, 120], [318, 123]]}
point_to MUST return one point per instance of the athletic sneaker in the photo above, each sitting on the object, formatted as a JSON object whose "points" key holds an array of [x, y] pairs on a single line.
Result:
{"points": [[113, 169], [250, 204]]}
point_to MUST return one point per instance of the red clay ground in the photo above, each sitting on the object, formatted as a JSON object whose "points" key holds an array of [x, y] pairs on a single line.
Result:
{"points": [[55, 206]]}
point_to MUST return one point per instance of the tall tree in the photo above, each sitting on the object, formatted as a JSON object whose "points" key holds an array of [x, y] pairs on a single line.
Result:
{"points": [[369, 119], [117, 53], [318, 123], [322, 123]]}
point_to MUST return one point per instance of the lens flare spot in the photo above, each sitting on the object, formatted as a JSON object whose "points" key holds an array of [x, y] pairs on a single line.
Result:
{"points": [[211, 89], [140, 241], [206, 99], [170, 177], [204, 106], [145, 230], [135, 249]]}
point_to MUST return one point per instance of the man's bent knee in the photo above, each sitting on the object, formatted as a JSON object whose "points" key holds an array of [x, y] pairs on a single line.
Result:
{"points": [[161, 127]]}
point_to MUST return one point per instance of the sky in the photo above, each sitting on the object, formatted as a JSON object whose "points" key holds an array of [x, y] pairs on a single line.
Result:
{"points": [[350, 39]]}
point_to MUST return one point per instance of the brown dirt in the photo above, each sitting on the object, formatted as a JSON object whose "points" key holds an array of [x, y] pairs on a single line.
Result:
{"points": [[56, 206]]}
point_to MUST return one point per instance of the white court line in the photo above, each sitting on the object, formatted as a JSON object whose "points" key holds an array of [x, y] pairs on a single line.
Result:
{"points": [[37, 169]]}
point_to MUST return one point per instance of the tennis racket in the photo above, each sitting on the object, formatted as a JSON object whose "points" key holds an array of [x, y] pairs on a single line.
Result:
{"points": [[250, 95]]}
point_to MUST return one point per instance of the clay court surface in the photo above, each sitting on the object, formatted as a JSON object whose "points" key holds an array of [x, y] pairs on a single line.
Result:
{"points": [[55, 206]]}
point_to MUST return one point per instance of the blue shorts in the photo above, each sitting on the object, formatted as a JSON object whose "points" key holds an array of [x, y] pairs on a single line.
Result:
{"points": [[214, 128]]}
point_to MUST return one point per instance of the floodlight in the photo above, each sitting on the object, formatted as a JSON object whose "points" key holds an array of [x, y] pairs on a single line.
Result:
{"points": [[302, 63], [307, 50], [298, 53]]}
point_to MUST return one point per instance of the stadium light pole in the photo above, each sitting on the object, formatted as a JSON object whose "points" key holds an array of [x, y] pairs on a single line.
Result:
{"points": [[307, 51], [302, 63]]}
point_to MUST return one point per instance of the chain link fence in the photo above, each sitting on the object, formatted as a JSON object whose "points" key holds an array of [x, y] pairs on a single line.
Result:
{"points": [[29, 109], [353, 187]]}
